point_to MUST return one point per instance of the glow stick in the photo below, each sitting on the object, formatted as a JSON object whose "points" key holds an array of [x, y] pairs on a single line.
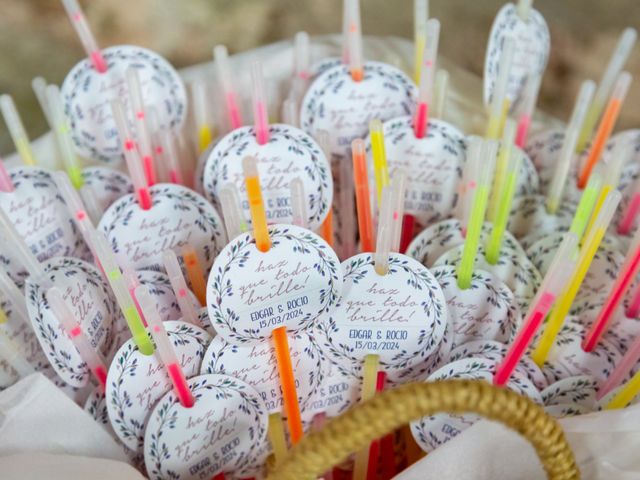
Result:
{"points": [[469, 181], [260, 116], [504, 156], [361, 185], [380, 168], [83, 31], [39, 86], [14, 295], [72, 327], [440, 93], [134, 163], [143, 139], [93, 207], [6, 184], [195, 273], [626, 276], [11, 353], [626, 394], [614, 67], [621, 371], [347, 207], [121, 292], [180, 288], [563, 164], [420, 17], [504, 208], [559, 273], [224, 79], [290, 112], [585, 257], [301, 55], [200, 113], [425, 93], [531, 89], [399, 185], [60, 126], [476, 219], [585, 206], [345, 32], [634, 306], [385, 232], [16, 129], [298, 203], [606, 126], [277, 438], [369, 380], [170, 153], [355, 40], [164, 347], [374, 448], [233, 214], [629, 216], [497, 108], [17, 245], [256, 204], [523, 9], [326, 229]]}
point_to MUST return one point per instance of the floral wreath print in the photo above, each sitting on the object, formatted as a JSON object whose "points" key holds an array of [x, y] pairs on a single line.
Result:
{"points": [[120, 400], [68, 363], [529, 218], [107, 184], [302, 242], [180, 200], [76, 84], [166, 413], [429, 338], [580, 390], [298, 144]]}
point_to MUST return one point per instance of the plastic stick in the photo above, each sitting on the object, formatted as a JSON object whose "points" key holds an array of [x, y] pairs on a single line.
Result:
{"points": [[143, 138], [256, 204], [16, 129], [301, 55], [39, 86], [11, 353], [200, 113], [6, 184], [363, 202], [224, 78], [476, 218], [195, 273], [504, 208], [94, 208], [469, 181], [502, 161], [277, 438], [374, 448], [531, 89], [606, 126], [380, 168], [427, 76], [626, 394], [628, 218], [499, 98], [164, 347], [180, 288], [70, 324], [134, 163], [369, 380], [614, 67], [233, 214], [290, 112], [298, 203], [586, 204], [563, 164], [385, 232], [557, 276], [626, 276], [121, 292], [355, 40], [10, 291], [347, 207], [622, 369], [634, 305], [420, 17], [83, 31], [168, 144], [326, 229], [260, 116], [16, 244], [440, 93], [524, 9], [399, 184], [585, 257], [288, 383]]}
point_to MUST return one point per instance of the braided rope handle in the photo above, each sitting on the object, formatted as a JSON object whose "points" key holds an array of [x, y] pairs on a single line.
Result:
{"points": [[354, 430]]}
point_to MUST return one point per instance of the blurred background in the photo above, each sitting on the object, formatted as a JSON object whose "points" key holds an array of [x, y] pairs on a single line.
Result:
{"points": [[36, 38]]}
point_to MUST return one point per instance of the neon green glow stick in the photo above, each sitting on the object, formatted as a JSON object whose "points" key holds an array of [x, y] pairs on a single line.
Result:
{"points": [[587, 202]]}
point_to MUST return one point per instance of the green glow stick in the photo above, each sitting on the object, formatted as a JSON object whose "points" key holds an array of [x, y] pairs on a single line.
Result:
{"points": [[502, 162], [587, 202], [472, 239]]}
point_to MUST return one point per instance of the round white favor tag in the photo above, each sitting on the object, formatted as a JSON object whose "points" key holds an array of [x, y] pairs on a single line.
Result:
{"points": [[531, 51], [290, 153], [178, 217], [256, 364], [107, 185], [433, 165], [87, 96], [597, 284], [529, 218], [96, 406], [337, 104], [135, 381], [487, 310], [542, 251], [250, 293], [42, 219], [400, 317], [160, 289], [578, 390], [222, 433], [566, 410], [89, 297]]}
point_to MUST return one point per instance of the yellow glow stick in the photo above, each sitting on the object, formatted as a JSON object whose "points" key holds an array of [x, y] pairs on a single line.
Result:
{"points": [[277, 438], [504, 155], [16, 129], [585, 257], [369, 379], [420, 17], [499, 103], [380, 169]]}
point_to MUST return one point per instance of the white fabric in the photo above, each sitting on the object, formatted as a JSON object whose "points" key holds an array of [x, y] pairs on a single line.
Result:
{"points": [[39, 466]]}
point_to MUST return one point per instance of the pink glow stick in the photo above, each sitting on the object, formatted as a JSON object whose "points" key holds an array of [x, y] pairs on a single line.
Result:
{"points": [[634, 306], [301, 55], [224, 78], [6, 185], [164, 347], [553, 284], [621, 371], [626, 275], [630, 214], [79, 22], [427, 76], [531, 89], [132, 157], [354, 39], [180, 288], [260, 115], [140, 121]]}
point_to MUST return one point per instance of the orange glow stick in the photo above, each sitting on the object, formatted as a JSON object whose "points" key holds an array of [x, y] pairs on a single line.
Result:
{"points": [[195, 273], [363, 199], [256, 204], [326, 229]]}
